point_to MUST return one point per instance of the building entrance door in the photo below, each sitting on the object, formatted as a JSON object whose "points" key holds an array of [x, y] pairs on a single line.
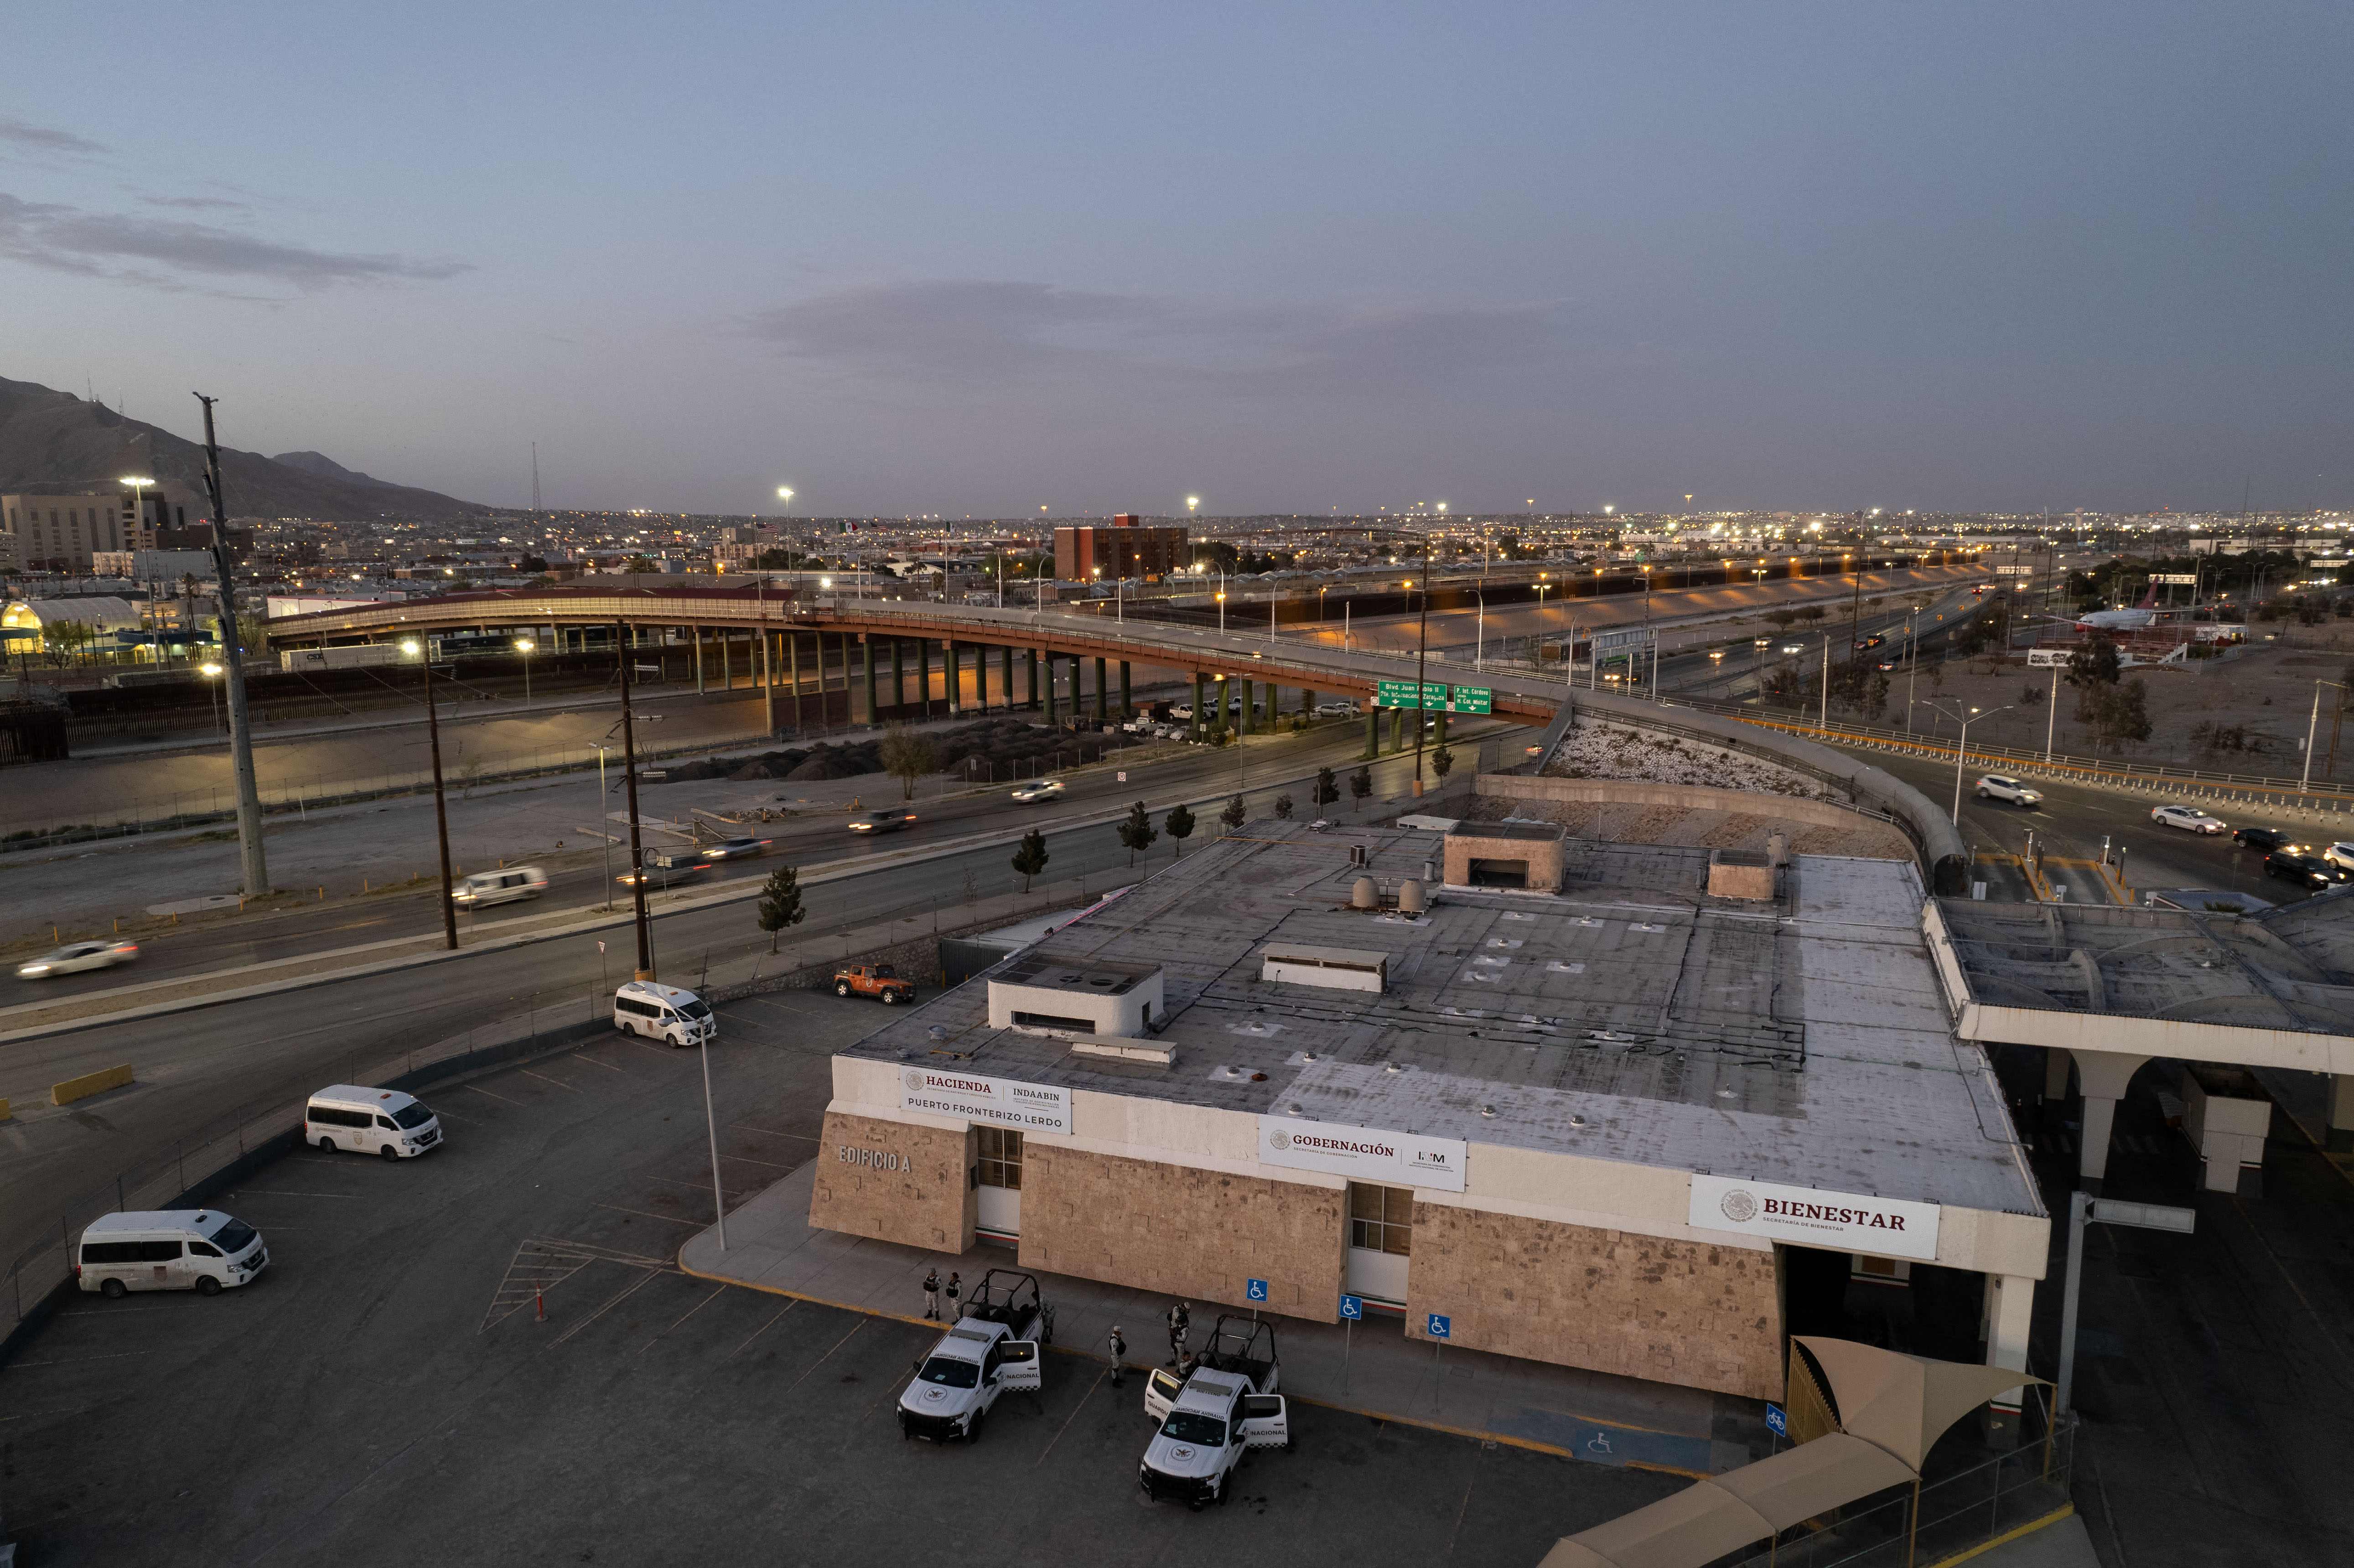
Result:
{"points": [[1381, 1243], [1000, 1182]]}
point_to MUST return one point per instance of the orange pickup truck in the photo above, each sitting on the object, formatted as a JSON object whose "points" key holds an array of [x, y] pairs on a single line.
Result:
{"points": [[879, 980]]}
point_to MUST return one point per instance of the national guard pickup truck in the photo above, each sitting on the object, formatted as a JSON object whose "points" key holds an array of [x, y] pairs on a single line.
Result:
{"points": [[1226, 1402], [994, 1348]]}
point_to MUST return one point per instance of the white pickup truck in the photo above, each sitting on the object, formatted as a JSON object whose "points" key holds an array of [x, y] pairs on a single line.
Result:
{"points": [[1226, 1402], [992, 1349]]}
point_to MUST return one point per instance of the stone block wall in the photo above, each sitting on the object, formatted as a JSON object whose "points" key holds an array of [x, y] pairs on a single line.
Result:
{"points": [[896, 1181], [1181, 1232], [1674, 1311]]}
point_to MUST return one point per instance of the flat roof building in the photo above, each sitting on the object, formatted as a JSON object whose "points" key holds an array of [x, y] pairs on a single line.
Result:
{"points": [[1587, 1123], [1092, 553]]}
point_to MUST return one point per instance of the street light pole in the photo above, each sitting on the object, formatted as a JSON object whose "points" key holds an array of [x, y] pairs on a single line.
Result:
{"points": [[2312, 723], [605, 831], [523, 646]]}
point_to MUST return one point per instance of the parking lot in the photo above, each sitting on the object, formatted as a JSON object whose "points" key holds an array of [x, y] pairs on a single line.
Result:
{"points": [[389, 1394]]}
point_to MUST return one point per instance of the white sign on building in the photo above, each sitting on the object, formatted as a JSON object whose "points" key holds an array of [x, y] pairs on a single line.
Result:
{"points": [[1839, 1222], [1000, 1102], [1388, 1158]]}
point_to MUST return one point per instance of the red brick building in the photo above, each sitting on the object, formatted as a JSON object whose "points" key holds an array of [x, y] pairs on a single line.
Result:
{"points": [[1091, 553]]}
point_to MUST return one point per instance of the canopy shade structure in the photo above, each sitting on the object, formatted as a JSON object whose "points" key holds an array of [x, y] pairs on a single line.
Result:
{"points": [[1903, 1403], [1892, 1410]]}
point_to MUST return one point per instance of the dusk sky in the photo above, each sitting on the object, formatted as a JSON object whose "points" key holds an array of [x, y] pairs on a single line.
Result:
{"points": [[978, 260]]}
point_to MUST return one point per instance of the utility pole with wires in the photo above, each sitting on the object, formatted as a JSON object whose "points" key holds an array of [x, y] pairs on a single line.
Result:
{"points": [[645, 971], [240, 726]]}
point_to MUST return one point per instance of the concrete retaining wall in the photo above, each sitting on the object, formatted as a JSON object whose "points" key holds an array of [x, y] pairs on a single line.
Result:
{"points": [[1944, 857], [1692, 797]]}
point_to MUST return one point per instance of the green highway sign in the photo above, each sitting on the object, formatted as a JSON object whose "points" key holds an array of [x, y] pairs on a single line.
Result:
{"points": [[1400, 695], [1436, 698]]}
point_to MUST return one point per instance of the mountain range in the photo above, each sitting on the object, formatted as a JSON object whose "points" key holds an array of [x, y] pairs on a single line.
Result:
{"points": [[55, 443]]}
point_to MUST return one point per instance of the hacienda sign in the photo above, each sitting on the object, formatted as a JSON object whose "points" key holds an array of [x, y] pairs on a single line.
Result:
{"points": [[1841, 1222]]}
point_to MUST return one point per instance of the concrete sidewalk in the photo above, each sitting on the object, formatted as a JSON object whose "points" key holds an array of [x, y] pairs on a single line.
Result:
{"points": [[1372, 1369], [1369, 1370]]}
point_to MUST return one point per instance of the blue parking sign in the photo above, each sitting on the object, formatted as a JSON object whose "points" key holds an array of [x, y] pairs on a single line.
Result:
{"points": [[1441, 1327], [1255, 1289], [1352, 1307]]}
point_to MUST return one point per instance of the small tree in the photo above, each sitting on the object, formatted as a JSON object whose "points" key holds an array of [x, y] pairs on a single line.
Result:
{"points": [[67, 637], [1325, 791], [1283, 807], [1234, 815], [1361, 784], [907, 756], [2093, 663], [1030, 856], [1136, 832], [1179, 823], [781, 901], [1441, 761]]}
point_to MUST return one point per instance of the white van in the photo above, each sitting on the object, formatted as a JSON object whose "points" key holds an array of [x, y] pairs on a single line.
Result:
{"points": [[663, 1012], [201, 1250], [500, 886], [370, 1121]]}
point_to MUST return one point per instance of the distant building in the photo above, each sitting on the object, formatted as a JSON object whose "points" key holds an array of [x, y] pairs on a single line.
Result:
{"points": [[1087, 552], [61, 533]]}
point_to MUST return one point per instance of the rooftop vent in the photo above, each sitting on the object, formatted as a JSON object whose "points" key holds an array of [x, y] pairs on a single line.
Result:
{"points": [[1333, 969]]}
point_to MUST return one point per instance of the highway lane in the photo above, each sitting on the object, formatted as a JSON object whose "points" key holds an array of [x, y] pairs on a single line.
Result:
{"points": [[577, 876], [210, 1065], [2074, 820]]}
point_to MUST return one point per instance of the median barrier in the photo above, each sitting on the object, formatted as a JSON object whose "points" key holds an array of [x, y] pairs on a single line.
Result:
{"points": [[89, 1084]]}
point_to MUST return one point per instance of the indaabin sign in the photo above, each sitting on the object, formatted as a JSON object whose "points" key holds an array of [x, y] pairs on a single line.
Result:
{"points": [[1001, 1102], [1363, 1154], [1841, 1222]]}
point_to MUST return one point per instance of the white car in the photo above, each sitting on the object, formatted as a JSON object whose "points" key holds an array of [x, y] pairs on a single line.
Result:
{"points": [[77, 956], [1995, 787], [2340, 854], [1038, 789], [2188, 819], [1336, 710]]}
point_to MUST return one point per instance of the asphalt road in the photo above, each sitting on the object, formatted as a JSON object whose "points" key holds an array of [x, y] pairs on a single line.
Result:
{"points": [[577, 878], [211, 1066], [2074, 820], [387, 1393]]}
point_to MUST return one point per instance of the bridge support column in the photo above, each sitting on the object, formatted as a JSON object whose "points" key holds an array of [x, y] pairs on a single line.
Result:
{"points": [[793, 662], [2055, 1073], [1438, 735], [1046, 658], [767, 687], [1373, 734], [1005, 674], [952, 670], [924, 674], [1126, 700], [898, 677], [2341, 1112], [1103, 697], [1242, 707], [696, 634], [1030, 678], [2103, 1077], [1200, 697], [866, 649]]}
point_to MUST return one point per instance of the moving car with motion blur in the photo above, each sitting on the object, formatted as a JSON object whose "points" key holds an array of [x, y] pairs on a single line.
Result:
{"points": [[2258, 838], [75, 956], [2190, 819], [889, 820], [2299, 864], [1995, 787], [735, 848], [1038, 789]]}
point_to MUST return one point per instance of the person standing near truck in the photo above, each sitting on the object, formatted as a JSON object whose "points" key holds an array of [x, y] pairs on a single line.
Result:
{"points": [[1181, 1324], [1118, 1349], [956, 1288], [931, 1295]]}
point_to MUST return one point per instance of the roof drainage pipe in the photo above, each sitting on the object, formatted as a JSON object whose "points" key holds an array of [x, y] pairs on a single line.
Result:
{"points": [[1943, 855]]}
